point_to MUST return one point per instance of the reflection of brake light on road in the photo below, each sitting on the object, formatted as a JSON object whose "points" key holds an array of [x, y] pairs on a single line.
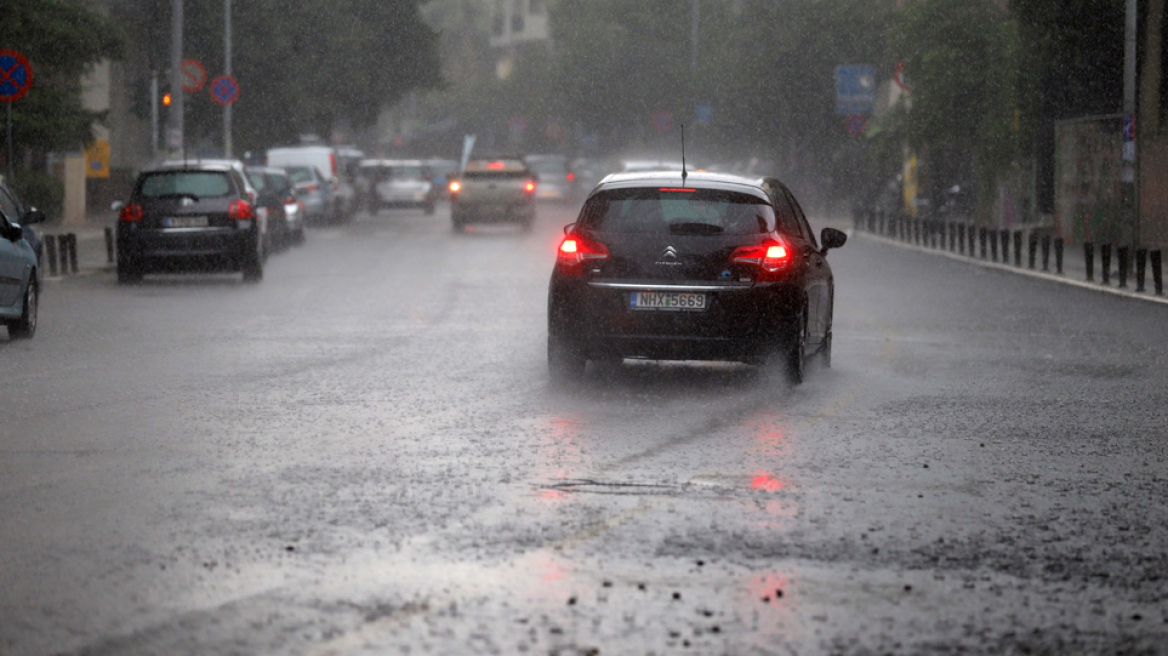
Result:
{"points": [[571, 177], [766, 483]]}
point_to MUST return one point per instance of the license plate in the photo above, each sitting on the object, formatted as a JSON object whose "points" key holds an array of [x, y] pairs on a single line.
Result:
{"points": [[667, 301], [186, 222]]}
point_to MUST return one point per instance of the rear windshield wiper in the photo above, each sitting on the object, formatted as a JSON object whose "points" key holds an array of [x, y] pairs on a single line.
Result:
{"points": [[692, 228], [179, 195]]}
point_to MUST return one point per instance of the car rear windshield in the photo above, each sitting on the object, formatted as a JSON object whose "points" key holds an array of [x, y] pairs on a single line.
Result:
{"points": [[200, 184], [299, 174], [549, 166], [691, 212]]}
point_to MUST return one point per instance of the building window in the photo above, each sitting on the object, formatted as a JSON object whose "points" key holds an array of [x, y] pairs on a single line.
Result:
{"points": [[517, 16], [498, 21]]}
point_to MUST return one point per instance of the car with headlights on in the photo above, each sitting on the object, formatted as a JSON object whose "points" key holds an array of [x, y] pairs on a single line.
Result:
{"points": [[196, 216], [705, 266], [19, 266]]}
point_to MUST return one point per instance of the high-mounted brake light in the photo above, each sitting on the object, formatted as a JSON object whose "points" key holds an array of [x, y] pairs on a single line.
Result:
{"points": [[571, 177], [131, 213], [678, 190], [240, 210], [455, 187], [770, 257], [496, 166], [575, 250], [529, 187]]}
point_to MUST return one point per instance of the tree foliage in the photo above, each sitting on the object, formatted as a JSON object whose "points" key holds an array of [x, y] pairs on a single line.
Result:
{"points": [[62, 40]]}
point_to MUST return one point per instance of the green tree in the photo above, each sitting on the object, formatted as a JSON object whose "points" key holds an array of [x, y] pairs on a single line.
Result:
{"points": [[62, 41]]}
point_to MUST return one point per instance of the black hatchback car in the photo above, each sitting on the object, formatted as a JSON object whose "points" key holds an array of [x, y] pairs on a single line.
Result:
{"points": [[704, 267], [197, 216]]}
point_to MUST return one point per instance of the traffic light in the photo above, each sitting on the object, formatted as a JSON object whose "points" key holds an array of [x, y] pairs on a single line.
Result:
{"points": [[166, 99]]}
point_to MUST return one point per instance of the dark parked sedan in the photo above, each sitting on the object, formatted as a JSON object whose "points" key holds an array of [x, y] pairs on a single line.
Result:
{"points": [[704, 267], [198, 217]]}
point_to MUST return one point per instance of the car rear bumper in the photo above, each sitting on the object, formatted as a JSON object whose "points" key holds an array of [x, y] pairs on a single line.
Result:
{"points": [[211, 248], [739, 322], [494, 212]]}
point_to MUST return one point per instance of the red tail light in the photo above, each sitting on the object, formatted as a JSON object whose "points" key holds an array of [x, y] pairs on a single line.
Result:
{"points": [[291, 200], [240, 210], [311, 187], [131, 213], [571, 177], [770, 257], [455, 187], [575, 250], [529, 187]]}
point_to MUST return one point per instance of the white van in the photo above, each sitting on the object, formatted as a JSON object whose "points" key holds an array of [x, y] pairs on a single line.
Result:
{"points": [[323, 159]]}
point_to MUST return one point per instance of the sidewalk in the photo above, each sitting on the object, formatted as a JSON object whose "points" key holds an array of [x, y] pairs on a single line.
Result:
{"points": [[1074, 262]]}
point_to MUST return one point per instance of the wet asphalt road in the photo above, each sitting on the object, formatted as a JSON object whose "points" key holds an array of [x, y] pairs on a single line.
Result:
{"points": [[363, 455]]}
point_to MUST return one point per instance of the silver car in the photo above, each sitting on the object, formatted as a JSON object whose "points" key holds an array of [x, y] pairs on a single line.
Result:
{"points": [[19, 270], [313, 189]]}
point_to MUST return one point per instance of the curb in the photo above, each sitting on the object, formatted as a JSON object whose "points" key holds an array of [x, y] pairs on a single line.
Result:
{"points": [[1095, 287]]}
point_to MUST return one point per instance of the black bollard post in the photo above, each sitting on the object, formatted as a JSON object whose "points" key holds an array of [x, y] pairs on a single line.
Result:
{"points": [[72, 252], [952, 237], [51, 254], [1089, 260], [1123, 254], [961, 238], [109, 245], [981, 238], [1141, 268], [994, 245], [1046, 252], [1105, 263], [1058, 255], [1032, 250], [63, 253], [1157, 272], [1018, 249], [1004, 235]]}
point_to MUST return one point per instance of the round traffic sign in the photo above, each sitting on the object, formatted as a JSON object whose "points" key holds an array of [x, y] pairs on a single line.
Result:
{"points": [[224, 90], [15, 75], [855, 124], [662, 120], [194, 76]]}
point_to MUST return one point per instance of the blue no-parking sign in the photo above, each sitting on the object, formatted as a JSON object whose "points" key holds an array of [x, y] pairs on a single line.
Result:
{"points": [[224, 90], [15, 75]]}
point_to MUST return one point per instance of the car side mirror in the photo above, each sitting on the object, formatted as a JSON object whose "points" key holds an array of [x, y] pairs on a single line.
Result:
{"points": [[832, 238], [33, 215], [10, 232], [117, 205]]}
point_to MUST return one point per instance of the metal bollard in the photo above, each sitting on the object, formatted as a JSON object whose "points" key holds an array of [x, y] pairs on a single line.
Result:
{"points": [[961, 238], [1046, 252], [1105, 263], [63, 252], [1032, 250], [72, 252], [51, 253], [1157, 272], [1018, 249], [1004, 235], [1089, 260], [917, 229], [1141, 268], [981, 238], [1123, 254], [1058, 255], [109, 245], [993, 245]]}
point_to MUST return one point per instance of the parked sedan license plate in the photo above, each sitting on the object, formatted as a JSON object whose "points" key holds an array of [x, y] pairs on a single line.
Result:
{"points": [[667, 301], [186, 222]]}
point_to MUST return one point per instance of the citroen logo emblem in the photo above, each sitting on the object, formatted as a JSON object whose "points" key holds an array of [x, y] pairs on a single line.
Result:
{"points": [[669, 252]]}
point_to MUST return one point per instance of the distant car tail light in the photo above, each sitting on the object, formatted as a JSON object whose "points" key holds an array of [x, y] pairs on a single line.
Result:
{"points": [[575, 250], [291, 200], [529, 187], [240, 210], [455, 187], [311, 187], [771, 257], [571, 177], [131, 213], [333, 163]]}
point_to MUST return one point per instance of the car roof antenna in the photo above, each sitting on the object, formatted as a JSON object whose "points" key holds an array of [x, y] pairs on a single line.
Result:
{"points": [[684, 174]]}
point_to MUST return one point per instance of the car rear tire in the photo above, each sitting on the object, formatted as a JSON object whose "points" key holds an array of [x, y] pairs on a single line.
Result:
{"points": [[25, 326], [566, 361], [128, 274], [796, 360]]}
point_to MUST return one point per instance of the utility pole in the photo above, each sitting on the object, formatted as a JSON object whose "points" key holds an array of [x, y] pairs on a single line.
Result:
{"points": [[154, 114], [1130, 151], [693, 37], [174, 132], [227, 145]]}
